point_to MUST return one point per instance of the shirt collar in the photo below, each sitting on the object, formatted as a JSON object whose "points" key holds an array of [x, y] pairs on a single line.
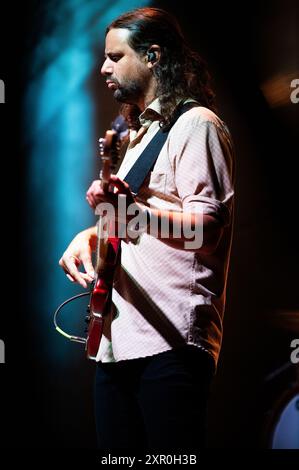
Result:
{"points": [[151, 113]]}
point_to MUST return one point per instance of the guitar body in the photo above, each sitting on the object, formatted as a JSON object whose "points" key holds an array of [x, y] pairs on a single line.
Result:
{"points": [[100, 300]]}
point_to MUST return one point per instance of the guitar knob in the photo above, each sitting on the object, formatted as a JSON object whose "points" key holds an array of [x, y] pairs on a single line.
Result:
{"points": [[87, 319]]}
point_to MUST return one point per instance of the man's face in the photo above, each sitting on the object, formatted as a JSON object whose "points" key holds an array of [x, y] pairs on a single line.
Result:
{"points": [[127, 74]]}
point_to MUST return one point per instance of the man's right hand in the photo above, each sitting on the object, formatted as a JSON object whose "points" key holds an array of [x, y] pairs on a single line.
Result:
{"points": [[79, 252]]}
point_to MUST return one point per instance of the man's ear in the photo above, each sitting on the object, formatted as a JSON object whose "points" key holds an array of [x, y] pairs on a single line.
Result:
{"points": [[153, 55]]}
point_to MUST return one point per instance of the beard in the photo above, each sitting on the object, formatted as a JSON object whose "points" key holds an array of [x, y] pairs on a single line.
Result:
{"points": [[130, 91]]}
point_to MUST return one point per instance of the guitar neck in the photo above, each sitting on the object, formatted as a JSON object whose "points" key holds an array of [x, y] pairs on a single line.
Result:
{"points": [[102, 224], [106, 145]]}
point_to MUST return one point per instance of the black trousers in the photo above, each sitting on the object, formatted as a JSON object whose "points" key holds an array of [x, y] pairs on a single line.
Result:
{"points": [[154, 403]]}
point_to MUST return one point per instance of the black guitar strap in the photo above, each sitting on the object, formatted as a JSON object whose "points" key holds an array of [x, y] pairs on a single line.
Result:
{"points": [[148, 157]]}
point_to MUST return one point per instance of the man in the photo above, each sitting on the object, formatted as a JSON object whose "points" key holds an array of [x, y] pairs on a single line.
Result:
{"points": [[163, 334]]}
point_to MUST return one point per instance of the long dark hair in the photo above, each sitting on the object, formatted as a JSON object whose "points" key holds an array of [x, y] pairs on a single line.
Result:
{"points": [[180, 72]]}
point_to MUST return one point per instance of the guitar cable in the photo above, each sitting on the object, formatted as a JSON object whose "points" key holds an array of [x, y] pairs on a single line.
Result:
{"points": [[78, 339]]}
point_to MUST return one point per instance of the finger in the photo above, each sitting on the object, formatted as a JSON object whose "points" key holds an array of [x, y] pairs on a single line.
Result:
{"points": [[96, 197], [84, 279], [95, 186], [70, 268], [87, 277], [93, 190], [86, 260], [122, 188], [79, 279], [90, 201], [120, 184]]}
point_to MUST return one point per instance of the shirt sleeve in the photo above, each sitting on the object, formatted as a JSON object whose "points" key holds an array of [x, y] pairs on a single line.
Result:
{"points": [[203, 169]]}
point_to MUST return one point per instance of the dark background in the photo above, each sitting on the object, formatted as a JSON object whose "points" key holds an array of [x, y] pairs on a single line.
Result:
{"points": [[46, 405]]}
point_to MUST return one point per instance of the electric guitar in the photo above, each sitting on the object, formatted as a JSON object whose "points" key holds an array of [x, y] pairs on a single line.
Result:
{"points": [[106, 252], [107, 247]]}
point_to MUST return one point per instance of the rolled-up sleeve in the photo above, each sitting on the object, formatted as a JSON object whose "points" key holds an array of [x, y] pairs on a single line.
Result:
{"points": [[204, 169]]}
